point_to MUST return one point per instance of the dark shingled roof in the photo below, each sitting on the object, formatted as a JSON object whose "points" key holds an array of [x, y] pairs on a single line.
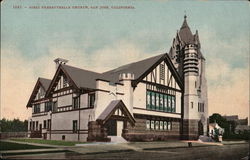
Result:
{"points": [[45, 83], [40, 82], [82, 78], [137, 68], [108, 109], [185, 33], [87, 79]]}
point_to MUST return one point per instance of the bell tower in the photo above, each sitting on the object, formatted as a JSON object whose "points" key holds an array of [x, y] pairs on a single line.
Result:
{"points": [[189, 62]]}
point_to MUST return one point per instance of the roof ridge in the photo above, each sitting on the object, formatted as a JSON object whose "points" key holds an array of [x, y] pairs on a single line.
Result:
{"points": [[80, 69], [160, 55], [44, 78]]}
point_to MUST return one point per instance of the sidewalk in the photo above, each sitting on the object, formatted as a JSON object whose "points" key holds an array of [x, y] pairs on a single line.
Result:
{"points": [[135, 146], [98, 147]]}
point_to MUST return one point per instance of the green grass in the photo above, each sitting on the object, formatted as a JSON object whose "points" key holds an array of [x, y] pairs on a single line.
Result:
{"points": [[51, 142], [16, 146]]}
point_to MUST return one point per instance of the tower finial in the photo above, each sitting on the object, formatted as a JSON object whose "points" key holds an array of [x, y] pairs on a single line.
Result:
{"points": [[185, 16]]}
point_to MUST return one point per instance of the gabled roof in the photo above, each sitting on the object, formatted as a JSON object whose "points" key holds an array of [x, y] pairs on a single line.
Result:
{"points": [[45, 83], [185, 33], [81, 77], [137, 68], [110, 110], [41, 82], [87, 79]]}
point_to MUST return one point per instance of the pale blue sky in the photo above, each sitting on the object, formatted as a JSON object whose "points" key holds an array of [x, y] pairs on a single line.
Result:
{"points": [[150, 27]]}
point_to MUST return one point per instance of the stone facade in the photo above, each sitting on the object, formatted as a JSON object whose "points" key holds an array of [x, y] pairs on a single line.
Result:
{"points": [[140, 133], [190, 129], [96, 132]]}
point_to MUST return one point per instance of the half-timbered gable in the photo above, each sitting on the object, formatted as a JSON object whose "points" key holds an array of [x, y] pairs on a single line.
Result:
{"points": [[162, 77], [72, 88], [158, 90], [39, 91]]}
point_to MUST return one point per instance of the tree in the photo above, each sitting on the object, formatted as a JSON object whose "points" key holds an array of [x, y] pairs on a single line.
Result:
{"points": [[13, 125], [222, 122]]}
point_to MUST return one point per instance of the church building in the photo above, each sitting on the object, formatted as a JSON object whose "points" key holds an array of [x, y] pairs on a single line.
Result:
{"points": [[159, 98]]}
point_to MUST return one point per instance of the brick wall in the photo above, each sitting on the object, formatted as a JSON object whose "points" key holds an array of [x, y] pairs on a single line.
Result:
{"points": [[140, 133]]}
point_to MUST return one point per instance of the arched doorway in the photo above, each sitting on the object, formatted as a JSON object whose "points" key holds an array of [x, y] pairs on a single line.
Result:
{"points": [[200, 128]]}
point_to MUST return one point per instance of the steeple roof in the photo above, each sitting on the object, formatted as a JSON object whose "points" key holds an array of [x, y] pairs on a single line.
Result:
{"points": [[185, 32]]}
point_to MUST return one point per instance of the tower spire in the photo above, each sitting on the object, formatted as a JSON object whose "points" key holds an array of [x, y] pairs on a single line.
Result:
{"points": [[185, 22], [185, 15]]}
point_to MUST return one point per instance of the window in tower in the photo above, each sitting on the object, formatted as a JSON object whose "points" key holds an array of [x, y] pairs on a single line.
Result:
{"points": [[192, 105]]}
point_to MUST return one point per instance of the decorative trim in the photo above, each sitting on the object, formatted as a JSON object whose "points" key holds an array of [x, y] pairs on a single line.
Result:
{"points": [[34, 92], [98, 79], [67, 133], [102, 90], [62, 90], [39, 115], [68, 130], [155, 111], [60, 71], [61, 95], [73, 110], [42, 100], [161, 86], [145, 116], [170, 66]]}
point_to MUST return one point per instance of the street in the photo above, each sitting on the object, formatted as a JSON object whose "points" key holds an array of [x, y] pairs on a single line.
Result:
{"points": [[223, 152]]}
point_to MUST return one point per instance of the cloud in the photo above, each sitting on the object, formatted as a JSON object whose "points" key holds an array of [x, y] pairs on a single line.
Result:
{"points": [[19, 74], [227, 85], [228, 89], [227, 72]]}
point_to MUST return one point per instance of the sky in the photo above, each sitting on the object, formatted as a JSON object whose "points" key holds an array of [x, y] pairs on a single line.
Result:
{"points": [[101, 39]]}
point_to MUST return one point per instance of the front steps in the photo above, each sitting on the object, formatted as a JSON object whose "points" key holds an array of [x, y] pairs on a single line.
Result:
{"points": [[117, 139]]}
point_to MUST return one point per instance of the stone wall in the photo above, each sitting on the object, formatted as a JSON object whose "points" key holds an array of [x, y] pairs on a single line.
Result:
{"points": [[140, 133], [97, 132], [190, 129]]}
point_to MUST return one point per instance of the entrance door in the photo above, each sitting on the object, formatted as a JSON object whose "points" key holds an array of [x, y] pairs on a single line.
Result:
{"points": [[119, 128], [200, 128], [111, 127]]}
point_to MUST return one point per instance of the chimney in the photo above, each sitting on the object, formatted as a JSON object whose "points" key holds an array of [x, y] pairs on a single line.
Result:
{"points": [[59, 61]]}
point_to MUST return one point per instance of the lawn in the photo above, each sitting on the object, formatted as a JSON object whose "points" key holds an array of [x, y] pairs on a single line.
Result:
{"points": [[51, 142], [16, 146]]}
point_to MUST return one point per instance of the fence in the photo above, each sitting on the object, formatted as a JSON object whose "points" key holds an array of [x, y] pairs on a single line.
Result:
{"points": [[5, 135]]}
